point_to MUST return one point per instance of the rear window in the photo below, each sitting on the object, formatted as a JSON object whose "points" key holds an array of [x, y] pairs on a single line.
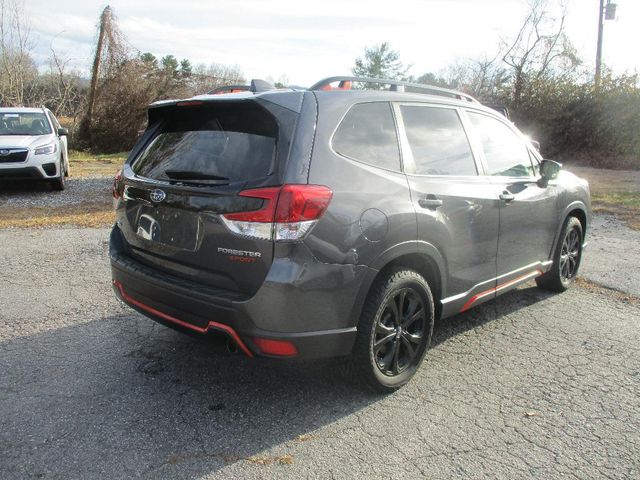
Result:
{"points": [[226, 143]]}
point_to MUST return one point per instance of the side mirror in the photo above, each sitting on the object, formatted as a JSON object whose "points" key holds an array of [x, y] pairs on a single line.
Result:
{"points": [[63, 131], [549, 169]]}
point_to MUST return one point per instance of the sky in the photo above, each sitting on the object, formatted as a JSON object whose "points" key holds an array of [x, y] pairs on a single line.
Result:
{"points": [[302, 41]]}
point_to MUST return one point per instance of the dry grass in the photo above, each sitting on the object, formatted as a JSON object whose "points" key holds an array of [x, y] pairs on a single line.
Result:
{"points": [[84, 164], [95, 215]]}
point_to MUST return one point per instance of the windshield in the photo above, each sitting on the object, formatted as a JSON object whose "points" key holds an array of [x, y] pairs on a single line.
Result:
{"points": [[224, 144], [24, 123]]}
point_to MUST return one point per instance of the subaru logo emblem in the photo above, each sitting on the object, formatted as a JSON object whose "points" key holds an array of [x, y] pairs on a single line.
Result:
{"points": [[157, 195], [4, 153]]}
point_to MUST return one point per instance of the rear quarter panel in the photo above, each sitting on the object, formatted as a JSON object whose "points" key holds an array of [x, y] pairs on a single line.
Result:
{"points": [[371, 208]]}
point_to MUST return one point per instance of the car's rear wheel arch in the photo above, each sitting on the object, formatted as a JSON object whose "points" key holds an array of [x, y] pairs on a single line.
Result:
{"points": [[425, 266]]}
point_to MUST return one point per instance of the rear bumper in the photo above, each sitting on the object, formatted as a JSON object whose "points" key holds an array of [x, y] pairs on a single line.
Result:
{"points": [[191, 308]]}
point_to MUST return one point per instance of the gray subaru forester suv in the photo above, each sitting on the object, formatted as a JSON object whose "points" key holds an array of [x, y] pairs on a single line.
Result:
{"points": [[337, 222]]}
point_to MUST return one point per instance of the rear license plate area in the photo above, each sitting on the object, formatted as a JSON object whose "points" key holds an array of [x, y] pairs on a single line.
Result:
{"points": [[169, 226]]}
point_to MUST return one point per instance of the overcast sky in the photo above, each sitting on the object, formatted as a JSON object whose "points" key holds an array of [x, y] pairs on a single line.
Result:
{"points": [[308, 40]]}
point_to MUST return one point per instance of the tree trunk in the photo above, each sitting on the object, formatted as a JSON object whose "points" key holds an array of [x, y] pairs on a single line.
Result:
{"points": [[85, 125]]}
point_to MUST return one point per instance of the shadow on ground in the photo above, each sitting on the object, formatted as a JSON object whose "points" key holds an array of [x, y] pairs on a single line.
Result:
{"points": [[24, 186], [121, 396]]}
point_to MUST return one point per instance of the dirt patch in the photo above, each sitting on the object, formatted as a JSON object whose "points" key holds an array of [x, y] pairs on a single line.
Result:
{"points": [[623, 205], [602, 180], [610, 292]]}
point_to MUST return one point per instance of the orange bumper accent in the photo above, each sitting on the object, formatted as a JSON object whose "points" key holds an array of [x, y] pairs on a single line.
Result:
{"points": [[211, 325], [478, 296]]}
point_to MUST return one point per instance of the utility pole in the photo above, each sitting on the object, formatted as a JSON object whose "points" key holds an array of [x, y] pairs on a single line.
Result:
{"points": [[599, 49], [606, 12]]}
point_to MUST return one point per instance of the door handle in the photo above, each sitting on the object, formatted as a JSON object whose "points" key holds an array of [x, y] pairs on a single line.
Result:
{"points": [[507, 197], [430, 201]]}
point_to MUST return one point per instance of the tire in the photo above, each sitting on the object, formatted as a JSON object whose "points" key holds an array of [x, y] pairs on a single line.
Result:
{"points": [[566, 258], [59, 182], [400, 343]]}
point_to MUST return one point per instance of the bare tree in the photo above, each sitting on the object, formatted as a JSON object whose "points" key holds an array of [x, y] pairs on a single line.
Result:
{"points": [[17, 68], [207, 77], [539, 48], [484, 77], [64, 93]]}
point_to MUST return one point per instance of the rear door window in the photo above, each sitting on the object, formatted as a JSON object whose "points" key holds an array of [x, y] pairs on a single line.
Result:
{"points": [[368, 134], [225, 143], [505, 152], [438, 141]]}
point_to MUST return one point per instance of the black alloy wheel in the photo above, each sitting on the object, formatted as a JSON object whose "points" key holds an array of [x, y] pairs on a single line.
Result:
{"points": [[566, 259], [570, 254], [399, 332], [393, 333]]}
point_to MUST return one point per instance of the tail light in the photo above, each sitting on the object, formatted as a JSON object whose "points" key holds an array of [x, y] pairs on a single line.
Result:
{"points": [[115, 188], [280, 348], [288, 212]]}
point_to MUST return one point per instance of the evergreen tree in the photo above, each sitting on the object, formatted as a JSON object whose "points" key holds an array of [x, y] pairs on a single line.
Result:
{"points": [[380, 61]]}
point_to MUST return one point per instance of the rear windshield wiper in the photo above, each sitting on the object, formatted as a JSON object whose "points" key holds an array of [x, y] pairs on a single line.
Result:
{"points": [[195, 177]]}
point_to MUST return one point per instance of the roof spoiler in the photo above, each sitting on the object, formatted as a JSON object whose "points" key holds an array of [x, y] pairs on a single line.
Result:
{"points": [[258, 86]]}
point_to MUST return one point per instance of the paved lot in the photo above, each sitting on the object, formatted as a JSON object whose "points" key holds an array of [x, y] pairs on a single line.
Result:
{"points": [[531, 385], [613, 255]]}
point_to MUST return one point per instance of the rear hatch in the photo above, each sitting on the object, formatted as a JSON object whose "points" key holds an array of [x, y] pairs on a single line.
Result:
{"points": [[194, 163]]}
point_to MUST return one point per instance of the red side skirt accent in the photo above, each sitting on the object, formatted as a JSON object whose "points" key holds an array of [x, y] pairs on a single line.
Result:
{"points": [[478, 296], [211, 325]]}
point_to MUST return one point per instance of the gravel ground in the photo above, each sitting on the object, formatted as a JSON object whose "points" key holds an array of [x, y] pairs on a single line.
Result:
{"points": [[531, 385], [38, 194]]}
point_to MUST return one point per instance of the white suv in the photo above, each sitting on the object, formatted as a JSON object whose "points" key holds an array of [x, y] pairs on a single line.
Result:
{"points": [[33, 145]]}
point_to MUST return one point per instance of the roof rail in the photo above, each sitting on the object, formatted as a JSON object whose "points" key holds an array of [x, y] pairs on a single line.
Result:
{"points": [[397, 86]]}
